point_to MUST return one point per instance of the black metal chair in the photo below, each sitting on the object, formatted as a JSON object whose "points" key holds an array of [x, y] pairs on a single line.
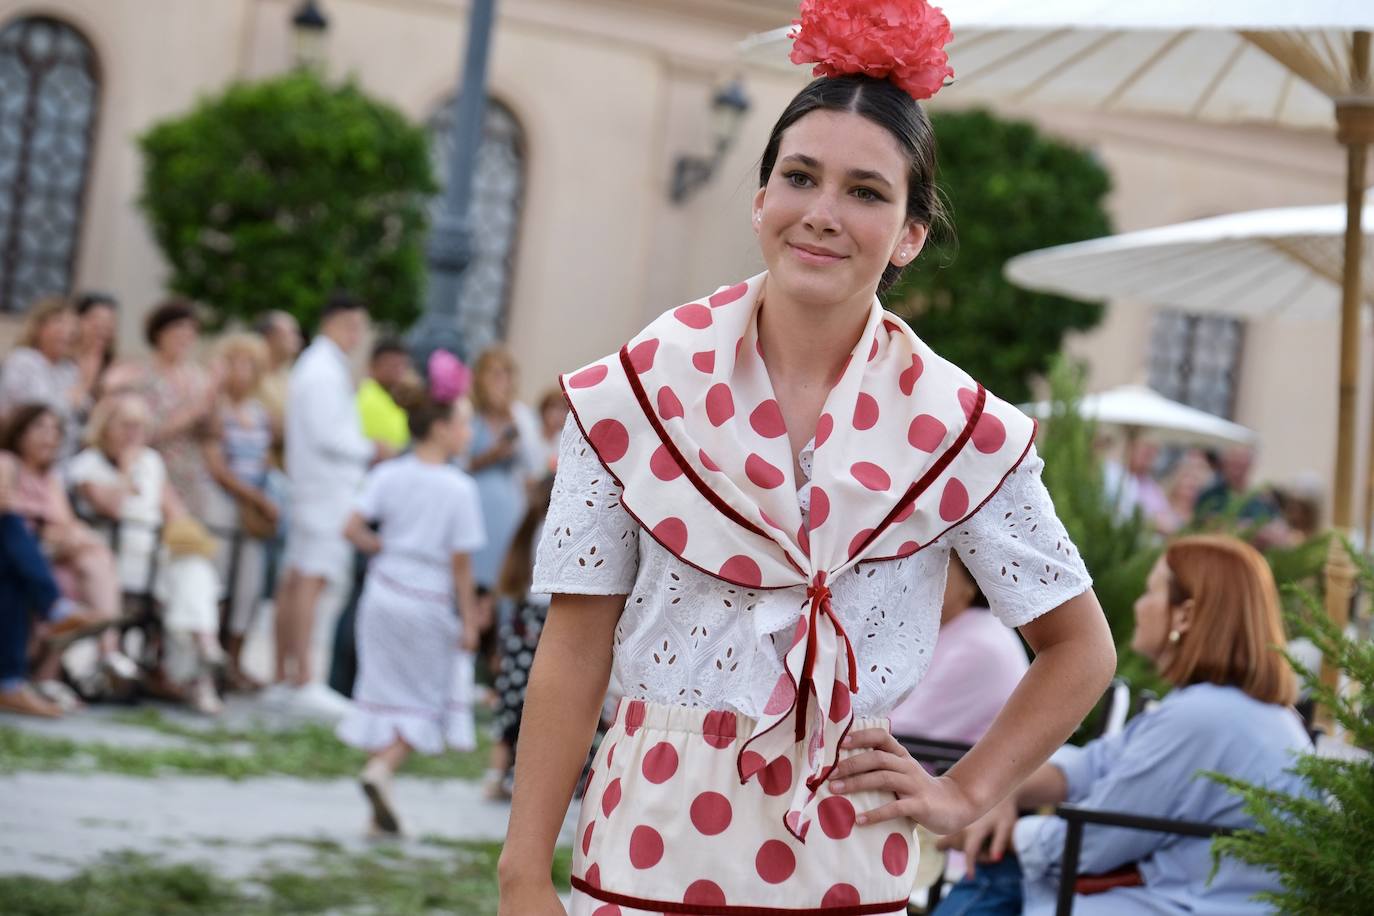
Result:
{"points": [[1079, 818]]}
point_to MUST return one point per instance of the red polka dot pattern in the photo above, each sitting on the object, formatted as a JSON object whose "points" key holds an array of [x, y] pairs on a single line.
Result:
{"points": [[587, 838], [761, 473], [711, 813], [726, 296], [609, 909], [720, 404], [742, 570], [866, 412], [642, 355], [896, 854], [860, 540], [592, 375], [646, 847], [776, 778], [704, 893], [672, 534], [706, 461], [767, 420], [824, 427], [775, 862], [719, 728], [954, 501], [593, 876], [705, 361], [820, 507], [669, 407], [611, 440], [907, 380], [662, 464], [784, 692], [660, 763], [871, 476], [840, 702], [926, 433], [836, 815], [989, 435], [694, 315], [610, 798], [750, 762], [841, 895], [873, 350]]}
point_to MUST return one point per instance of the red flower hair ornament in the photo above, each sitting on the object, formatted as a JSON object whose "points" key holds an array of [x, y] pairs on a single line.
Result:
{"points": [[899, 40]]}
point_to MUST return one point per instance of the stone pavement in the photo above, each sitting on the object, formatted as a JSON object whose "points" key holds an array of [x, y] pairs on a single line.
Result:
{"points": [[54, 823]]}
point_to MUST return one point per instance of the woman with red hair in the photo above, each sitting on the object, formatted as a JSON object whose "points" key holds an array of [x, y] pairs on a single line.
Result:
{"points": [[1209, 621]]}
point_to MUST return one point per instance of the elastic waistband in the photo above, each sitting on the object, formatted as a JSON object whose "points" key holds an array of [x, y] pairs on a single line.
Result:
{"points": [[723, 724]]}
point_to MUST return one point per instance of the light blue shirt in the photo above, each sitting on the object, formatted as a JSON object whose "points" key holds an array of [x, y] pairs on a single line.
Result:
{"points": [[1153, 768]]}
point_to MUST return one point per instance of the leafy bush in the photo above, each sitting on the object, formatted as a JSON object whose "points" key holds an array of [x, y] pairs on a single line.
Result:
{"points": [[1318, 846], [274, 193], [1011, 190]]}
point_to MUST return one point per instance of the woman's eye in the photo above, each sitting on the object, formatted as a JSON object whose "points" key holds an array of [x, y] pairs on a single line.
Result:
{"points": [[866, 194], [798, 179]]}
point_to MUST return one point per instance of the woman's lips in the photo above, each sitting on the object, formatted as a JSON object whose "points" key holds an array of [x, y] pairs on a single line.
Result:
{"points": [[814, 256]]}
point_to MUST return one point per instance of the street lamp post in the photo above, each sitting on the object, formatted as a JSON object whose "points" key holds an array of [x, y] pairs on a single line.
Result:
{"points": [[308, 27], [450, 238]]}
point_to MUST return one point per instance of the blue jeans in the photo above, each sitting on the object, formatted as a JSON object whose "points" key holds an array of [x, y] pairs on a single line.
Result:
{"points": [[994, 890], [26, 587]]}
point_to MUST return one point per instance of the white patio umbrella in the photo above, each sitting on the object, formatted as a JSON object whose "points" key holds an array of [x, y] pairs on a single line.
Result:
{"points": [[1193, 59], [1140, 411], [1284, 262]]}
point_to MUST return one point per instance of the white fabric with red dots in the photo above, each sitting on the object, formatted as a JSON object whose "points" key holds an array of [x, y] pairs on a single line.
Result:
{"points": [[907, 446], [667, 827]]}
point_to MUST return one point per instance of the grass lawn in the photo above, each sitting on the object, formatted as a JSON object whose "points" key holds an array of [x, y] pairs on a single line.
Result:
{"points": [[460, 878], [306, 752]]}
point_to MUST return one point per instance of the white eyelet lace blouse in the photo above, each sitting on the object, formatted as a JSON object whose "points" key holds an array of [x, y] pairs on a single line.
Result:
{"points": [[689, 639]]}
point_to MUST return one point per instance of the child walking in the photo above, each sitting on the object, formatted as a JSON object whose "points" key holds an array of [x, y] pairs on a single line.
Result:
{"points": [[414, 632]]}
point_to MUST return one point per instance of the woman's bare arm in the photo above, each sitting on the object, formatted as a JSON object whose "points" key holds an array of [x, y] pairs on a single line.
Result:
{"points": [[361, 536], [465, 591], [562, 705]]}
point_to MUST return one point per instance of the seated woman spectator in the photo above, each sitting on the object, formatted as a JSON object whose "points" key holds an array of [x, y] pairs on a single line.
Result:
{"points": [[120, 478], [976, 665], [84, 566], [1209, 621], [238, 454], [28, 589], [181, 396], [40, 369]]}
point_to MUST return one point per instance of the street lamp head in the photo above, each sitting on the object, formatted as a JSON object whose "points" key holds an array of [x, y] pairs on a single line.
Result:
{"points": [[729, 106], [308, 26]]}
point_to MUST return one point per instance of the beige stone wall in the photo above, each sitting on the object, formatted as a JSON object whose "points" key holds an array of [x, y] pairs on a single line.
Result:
{"points": [[609, 92]]}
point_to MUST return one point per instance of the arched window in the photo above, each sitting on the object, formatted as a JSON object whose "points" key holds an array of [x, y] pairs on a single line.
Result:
{"points": [[497, 192], [49, 96]]}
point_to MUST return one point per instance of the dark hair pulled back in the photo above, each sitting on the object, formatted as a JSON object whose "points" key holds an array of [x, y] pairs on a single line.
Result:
{"points": [[422, 410], [891, 109]]}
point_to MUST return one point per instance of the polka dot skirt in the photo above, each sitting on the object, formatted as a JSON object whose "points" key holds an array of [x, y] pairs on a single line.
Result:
{"points": [[666, 826]]}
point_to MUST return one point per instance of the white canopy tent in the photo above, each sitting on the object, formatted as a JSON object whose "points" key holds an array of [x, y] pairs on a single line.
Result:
{"points": [[1141, 411]]}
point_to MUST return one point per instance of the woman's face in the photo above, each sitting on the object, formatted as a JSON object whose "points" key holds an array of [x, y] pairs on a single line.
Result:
{"points": [[833, 214], [97, 327], [39, 445], [554, 416], [56, 335], [124, 432], [240, 374], [1155, 618], [177, 340], [498, 381]]}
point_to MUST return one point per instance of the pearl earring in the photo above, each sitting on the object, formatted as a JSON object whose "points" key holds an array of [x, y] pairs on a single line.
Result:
{"points": [[1175, 636]]}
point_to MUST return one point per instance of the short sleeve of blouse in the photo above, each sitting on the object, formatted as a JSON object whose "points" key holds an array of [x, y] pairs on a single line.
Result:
{"points": [[590, 544], [1018, 550]]}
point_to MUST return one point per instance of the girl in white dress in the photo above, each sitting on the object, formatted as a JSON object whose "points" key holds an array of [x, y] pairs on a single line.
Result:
{"points": [[755, 504], [415, 639]]}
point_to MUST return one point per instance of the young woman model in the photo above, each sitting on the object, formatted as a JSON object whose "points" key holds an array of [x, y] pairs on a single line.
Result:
{"points": [[755, 502]]}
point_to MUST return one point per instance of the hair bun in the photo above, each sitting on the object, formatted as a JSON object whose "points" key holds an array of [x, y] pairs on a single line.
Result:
{"points": [[902, 41]]}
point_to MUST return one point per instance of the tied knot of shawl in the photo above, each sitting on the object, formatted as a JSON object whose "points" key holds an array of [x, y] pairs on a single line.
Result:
{"points": [[818, 599]]}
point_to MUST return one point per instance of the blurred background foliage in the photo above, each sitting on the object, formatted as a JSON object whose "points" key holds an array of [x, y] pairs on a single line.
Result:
{"points": [[274, 193], [1009, 189]]}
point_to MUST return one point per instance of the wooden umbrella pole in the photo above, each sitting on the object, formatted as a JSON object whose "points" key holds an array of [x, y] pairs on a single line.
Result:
{"points": [[1355, 129]]}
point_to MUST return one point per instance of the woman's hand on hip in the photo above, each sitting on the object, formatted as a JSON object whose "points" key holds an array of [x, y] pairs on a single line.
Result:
{"points": [[882, 765]]}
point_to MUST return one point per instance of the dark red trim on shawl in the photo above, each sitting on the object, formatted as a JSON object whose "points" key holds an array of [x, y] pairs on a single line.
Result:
{"points": [[704, 909], [651, 415]]}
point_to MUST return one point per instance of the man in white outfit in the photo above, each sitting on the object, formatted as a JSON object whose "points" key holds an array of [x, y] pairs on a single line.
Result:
{"points": [[327, 456]]}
